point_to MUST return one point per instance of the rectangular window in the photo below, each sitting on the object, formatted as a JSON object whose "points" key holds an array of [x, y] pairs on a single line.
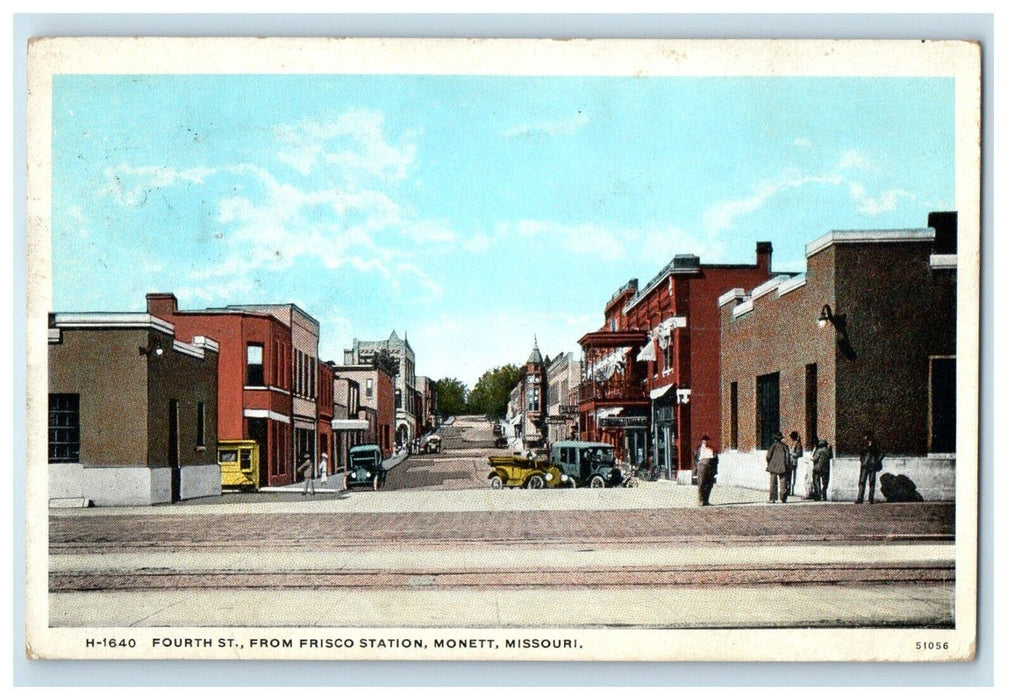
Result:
{"points": [[369, 388], [811, 406], [254, 364], [200, 424], [64, 428], [533, 398], [667, 357], [734, 415], [397, 398], [768, 409]]}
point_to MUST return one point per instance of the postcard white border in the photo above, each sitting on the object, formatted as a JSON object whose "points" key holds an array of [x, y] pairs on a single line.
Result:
{"points": [[960, 60]]}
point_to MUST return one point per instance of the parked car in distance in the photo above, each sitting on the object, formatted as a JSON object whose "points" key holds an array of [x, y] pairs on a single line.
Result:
{"points": [[432, 444], [587, 463], [518, 470], [366, 467]]}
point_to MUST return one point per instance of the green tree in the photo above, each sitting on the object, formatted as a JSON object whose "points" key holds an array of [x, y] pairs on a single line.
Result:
{"points": [[493, 390], [451, 397]]}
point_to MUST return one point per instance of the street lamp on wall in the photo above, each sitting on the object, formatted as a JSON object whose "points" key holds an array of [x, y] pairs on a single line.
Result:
{"points": [[827, 315], [153, 348]]}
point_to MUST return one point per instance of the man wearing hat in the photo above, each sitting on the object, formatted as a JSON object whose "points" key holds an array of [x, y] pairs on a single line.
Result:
{"points": [[778, 469], [821, 470], [305, 469]]}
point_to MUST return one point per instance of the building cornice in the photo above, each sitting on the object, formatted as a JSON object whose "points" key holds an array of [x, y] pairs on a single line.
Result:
{"points": [[112, 321], [901, 235]]}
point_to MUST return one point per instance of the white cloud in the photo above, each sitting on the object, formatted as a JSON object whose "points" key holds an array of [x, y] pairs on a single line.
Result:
{"points": [[719, 216], [560, 127], [885, 202], [131, 186], [805, 144], [582, 239], [353, 143], [854, 160]]}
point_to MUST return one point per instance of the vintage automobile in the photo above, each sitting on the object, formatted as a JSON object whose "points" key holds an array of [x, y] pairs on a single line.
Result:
{"points": [[432, 444], [366, 467], [587, 463], [239, 461], [519, 470]]}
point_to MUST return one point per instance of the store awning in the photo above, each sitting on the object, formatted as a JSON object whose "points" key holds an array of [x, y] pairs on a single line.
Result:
{"points": [[608, 412], [658, 393], [349, 424]]}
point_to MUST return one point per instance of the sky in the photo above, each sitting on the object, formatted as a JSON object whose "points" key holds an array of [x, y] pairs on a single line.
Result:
{"points": [[471, 212]]}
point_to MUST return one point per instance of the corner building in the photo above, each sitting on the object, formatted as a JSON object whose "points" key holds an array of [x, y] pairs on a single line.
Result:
{"points": [[650, 376], [863, 341]]}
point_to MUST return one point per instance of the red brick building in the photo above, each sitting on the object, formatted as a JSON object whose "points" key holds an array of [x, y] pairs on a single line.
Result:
{"points": [[255, 374], [650, 383]]}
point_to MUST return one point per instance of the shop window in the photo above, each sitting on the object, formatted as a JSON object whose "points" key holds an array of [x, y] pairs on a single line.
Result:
{"points": [[64, 428]]}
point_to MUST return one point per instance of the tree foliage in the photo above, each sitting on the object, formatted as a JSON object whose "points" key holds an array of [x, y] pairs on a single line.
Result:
{"points": [[451, 395], [493, 390], [386, 362]]}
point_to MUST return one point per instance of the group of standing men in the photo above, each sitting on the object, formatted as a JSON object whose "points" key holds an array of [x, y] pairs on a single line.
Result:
{"points": [[783, 460]]}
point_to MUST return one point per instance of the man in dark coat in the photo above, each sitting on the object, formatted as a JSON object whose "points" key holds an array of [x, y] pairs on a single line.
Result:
{"points": [[821, 470], [778, 468], [870, 462], [706, 463]]}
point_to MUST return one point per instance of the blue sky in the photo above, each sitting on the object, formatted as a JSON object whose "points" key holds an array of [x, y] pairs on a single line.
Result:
{"points": [[470, 211]]}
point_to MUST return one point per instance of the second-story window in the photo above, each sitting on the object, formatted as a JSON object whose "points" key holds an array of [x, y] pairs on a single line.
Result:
{"points": [[254, 364], [397, 398], [667, 357], [369, 388]]}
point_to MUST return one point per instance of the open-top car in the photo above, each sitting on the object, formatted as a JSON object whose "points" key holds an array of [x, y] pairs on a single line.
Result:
{"points": [[530, 473], [587, 463], [366, 467]]}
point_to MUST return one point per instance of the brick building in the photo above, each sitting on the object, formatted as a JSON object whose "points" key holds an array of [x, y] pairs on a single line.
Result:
{"points": [[376, 403], [132, 411], [304, 339], [563, 373], [864, 340], [255, 373], [650, 378]]}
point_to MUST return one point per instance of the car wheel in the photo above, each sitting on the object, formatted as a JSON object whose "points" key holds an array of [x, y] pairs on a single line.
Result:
{"points": [[572, 482], [496, 483], [597, 482], [535, 482]]}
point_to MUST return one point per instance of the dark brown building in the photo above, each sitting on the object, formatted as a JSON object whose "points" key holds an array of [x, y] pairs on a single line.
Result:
{"points": [[864, 341], [132, 411]]}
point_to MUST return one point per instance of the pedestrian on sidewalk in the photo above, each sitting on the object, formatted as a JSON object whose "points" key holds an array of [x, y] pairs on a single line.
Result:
{"points": [[821, 470], [778, 459], [706, 462], [322, 469], [871, 461], [795, 452], [305, 469]]}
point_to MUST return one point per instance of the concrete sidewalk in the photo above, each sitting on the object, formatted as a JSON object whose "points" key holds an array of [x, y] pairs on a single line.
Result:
{"points": [[323, 485]]}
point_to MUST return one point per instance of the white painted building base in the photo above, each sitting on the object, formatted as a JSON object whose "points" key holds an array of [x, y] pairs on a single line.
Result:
{"points": [[933, 475], [128, 485]]}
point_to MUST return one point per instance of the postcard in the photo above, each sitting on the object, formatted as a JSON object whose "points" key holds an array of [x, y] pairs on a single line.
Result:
{"points": [[446, 349]]}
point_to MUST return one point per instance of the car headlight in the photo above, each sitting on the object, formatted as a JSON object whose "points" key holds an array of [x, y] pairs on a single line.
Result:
{"points": [[368, 475], [549, 477], [563, 477]]}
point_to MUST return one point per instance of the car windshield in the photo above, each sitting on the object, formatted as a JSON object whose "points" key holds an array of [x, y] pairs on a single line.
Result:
{"points": [[365, 459]]}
